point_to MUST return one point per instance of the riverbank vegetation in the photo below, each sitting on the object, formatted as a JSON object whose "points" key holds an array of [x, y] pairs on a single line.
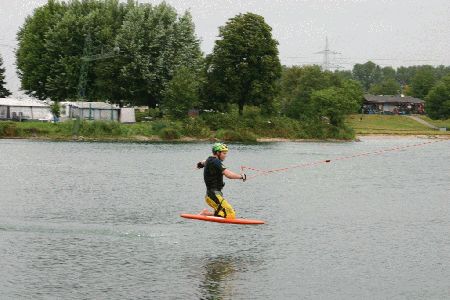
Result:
{"points": [[251, 127], [248, 127]]}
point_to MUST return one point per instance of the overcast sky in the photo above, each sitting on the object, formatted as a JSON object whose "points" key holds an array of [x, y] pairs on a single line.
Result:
{"points": [[388, 32]]}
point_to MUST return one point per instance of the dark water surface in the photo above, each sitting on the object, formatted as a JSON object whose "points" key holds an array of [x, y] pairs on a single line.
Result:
{"points": [[101, 221]]}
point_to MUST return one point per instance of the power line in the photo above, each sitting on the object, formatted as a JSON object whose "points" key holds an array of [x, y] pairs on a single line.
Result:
{"points": [[351, 61]]}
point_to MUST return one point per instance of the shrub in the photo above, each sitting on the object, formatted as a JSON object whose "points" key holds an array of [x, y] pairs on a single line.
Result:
{"points": [[99, 128], [8, 129], [314, 129], [169, 133], [65, 128], [196, 127], [216, 121], [159, 125], [35, 131], [252, 112], [344, 132], [138, 129], [240, 135]]}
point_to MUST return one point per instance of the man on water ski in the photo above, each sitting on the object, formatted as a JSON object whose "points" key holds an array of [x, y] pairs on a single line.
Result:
{"points": [[213, 176]]}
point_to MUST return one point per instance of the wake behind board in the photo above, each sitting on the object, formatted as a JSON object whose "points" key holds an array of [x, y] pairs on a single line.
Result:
{"points": [[222, 220]]}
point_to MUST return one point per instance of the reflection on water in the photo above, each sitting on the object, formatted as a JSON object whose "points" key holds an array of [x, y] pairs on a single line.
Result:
{"points": [[218, 272]]}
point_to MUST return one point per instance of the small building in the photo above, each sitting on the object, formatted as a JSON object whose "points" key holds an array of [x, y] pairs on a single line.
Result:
{"points": [[399, 105], [26, 109], [127, 115], [90, 111], [97, 111]]}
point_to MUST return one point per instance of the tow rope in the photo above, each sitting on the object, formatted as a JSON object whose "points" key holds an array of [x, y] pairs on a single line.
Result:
{"points": [[260, 172]]}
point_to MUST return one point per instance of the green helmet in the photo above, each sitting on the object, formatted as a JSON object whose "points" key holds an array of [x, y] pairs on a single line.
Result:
{"points": [[219, 147]]}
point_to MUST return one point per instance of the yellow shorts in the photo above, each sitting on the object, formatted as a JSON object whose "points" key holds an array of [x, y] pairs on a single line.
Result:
{"points": [[221, 206]]}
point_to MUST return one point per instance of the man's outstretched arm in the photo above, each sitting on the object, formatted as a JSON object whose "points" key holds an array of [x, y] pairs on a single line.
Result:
{"points": [[231, 175]]}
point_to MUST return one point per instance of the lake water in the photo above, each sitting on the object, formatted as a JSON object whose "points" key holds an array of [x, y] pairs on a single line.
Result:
{"points": [[101, 221]]}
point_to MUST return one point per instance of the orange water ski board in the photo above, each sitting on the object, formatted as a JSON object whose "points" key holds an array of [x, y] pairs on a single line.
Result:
{"points": [[222, 220]]}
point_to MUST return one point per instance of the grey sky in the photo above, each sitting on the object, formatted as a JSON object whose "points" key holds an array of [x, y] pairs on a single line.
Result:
{"points": [[389, 32]]}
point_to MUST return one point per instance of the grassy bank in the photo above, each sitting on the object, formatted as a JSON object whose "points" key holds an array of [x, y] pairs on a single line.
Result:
{"points": [[226, 127], [65, 130], [390, 124], [437, 123]]}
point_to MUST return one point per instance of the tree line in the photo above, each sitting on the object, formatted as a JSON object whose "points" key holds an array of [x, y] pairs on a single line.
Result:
{"points": [[105, 50], [426, 82], [145, 54], [414, 81]]}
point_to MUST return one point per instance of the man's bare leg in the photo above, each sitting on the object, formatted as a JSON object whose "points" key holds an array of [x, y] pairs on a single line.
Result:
{"points": [[206, 212]]}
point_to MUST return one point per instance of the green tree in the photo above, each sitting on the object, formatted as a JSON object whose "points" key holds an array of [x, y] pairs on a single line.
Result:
{"points": [[368, 74], [55, 109], [4, 92], [423, 81], [344, 74], [404, 75], [106, 50], [32, 59], [388, 86], [81, 43], [105, 23], [185, 50], [296, 86], [65, 44], [336, 102], [388, 73], [182, 93], [438, 100], [442, 71], [155, 43], [244, 66]]}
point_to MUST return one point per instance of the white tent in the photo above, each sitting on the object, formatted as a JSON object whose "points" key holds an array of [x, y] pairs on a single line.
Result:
{"points": [[25, 109], [90, 110], [96, 111]]}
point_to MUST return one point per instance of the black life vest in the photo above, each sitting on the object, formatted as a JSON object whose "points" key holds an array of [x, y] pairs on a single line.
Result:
{"points": [[213, 174]]}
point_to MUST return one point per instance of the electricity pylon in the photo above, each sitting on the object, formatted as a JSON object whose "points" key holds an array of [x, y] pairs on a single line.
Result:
{"points": [[326, 56]]}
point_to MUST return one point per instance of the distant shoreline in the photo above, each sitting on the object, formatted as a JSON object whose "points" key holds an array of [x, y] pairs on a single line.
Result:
{"points": [[145, 139], [400, 136], [371, 127]]}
